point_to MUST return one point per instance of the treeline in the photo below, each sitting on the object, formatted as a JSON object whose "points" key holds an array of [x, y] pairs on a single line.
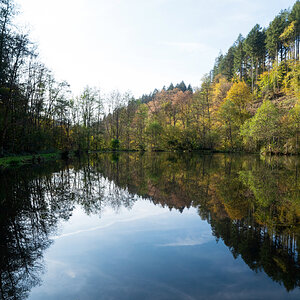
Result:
{"points": [[248, 102], [180, 86]]}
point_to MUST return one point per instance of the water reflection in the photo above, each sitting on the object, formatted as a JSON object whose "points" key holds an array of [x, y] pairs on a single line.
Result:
{"points": [[252, 205], [31, 205]]}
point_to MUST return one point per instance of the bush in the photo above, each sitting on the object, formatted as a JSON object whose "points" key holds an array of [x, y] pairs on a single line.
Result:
{"points": [[115, 144]]}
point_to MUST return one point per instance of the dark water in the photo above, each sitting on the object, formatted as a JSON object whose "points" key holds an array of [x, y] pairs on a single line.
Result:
{"points": [[152, 226]]}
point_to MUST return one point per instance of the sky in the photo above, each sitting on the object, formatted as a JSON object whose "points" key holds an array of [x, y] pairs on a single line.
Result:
{"points": [[138, 45]]}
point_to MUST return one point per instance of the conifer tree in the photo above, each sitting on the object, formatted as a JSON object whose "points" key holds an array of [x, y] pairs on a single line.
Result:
{"points": [[239, 57], [274, 44]]}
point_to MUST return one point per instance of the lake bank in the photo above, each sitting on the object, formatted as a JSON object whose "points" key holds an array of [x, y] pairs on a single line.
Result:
{"points": [[15, 160], [29, 159]]}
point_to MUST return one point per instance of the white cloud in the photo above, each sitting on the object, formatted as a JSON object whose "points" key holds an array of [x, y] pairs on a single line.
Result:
{"points": [[189, 241]]}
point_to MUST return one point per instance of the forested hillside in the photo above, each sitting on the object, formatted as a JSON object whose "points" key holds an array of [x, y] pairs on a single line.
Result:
{"points": [[250, 101]]}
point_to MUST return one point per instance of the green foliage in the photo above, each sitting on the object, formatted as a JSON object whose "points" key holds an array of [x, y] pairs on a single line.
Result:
{"points": [[283, 77], [274, 31], [153, 132], [115, 144], [263, 129], [255, 42], [268, 83], [288, 35], [291, 81], [226, 66], [230, 117], [292, 129], [295, 16], [239, 57]]}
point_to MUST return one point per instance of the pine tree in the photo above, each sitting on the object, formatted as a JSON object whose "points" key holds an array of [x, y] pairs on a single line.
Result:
{"points": [[295, 16], [227, 63], [218, 62], [189, 88], [181, 86], [239, 57], [255, 49], [171, 87], [274, 44]]}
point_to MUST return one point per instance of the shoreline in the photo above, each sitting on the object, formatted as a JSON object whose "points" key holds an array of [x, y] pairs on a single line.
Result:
{"points": [[13, 161]]}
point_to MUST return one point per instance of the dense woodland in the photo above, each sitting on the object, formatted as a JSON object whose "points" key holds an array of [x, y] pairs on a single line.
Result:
{"points": [[250, 101]]}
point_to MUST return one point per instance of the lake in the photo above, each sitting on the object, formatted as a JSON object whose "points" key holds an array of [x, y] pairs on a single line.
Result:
{"points": [[151, 226]]}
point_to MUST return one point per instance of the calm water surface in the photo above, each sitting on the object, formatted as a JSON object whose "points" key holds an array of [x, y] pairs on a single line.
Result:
{"points": [[152, 226]]}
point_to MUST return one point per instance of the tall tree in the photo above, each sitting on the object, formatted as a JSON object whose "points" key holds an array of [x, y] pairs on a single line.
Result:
{"points": [[255, 49], [239, 57], [274, 44], [294, 16]]}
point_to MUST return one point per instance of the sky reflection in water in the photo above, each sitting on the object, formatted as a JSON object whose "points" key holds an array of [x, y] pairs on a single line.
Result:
{"points": [[148, 252]]}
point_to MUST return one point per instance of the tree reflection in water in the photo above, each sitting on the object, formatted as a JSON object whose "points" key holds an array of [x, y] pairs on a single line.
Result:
{"points": [[252, 204]]}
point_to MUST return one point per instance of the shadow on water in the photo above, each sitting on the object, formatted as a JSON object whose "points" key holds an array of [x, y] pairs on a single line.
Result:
{"points": [[251, 203]]}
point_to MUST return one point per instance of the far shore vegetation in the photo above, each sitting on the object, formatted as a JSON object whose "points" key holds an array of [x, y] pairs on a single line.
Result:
{"points": [[250, 101]]}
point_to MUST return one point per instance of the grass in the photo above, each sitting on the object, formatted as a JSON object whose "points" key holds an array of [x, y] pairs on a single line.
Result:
{"points": [[15, 161]]}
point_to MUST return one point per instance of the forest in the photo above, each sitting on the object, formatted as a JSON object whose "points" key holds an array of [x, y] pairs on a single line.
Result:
{"points": [[249, 101]]}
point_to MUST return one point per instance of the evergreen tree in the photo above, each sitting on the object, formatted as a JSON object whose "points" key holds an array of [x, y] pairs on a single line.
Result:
{"points": [[274, 44], [239, 57], [171, 87], [295, 16], [255, 49], [181, 86], [218, 63], [226, 66]]}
